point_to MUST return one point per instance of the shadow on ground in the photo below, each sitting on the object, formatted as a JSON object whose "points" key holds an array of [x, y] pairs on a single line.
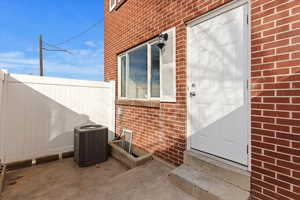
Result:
{"points": [[63, 180]]}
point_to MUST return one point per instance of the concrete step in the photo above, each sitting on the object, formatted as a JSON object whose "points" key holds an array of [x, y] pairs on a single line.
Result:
{"points": [[218, 168], [203, 186]]}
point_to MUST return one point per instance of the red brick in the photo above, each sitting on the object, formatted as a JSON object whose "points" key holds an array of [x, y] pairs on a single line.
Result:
{"points": [[276, 127], [289, 63], [296, 145], [263, 53], [275, 16], [262, 106], [262, 93], [277, 182], [288, 93], [256, 138], [255, 112], [291, 107], [296, 55], [276, 58], [287, 150], [256, 188], [289, 5], [296, 70], [288, 194], [263, 145], [275, 44], [296, 85], [296, 100], [296, 116], [296, 40], [259, 3], [258, 164], [288, 20], [277, 155], [276, 141], [275, 195], [272, 4], [262, 119], [256, 150], [275, 113], [276, 30], [291, 122], [290, 48], [263, 40], [262, 132], [276, 100], [276, 86], [288, 165], [263, 184], [296, 174], [289, 179], [262, 14], [275, 72], [288, 136], [260, 196], [288, 34], [296, 189], [256, 99], [296, 130], [296, 10]]}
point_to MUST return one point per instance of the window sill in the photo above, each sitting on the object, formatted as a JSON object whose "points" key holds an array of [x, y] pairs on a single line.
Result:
{"points": [[139, 103]]}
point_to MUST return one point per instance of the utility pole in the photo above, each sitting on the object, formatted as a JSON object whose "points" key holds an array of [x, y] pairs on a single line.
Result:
{"points": [[41, 49], [41, 56]]}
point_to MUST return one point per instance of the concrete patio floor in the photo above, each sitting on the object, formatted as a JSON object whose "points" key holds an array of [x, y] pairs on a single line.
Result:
{"points": [[63, 180]]}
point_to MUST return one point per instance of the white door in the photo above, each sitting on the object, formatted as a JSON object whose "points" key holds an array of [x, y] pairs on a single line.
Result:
{"points": [[218, 98]]}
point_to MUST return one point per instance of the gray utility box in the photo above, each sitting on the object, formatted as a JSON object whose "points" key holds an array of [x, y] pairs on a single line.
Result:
{"points": [[90, 145]]}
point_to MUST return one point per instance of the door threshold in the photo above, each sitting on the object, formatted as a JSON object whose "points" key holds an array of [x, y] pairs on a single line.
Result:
{"points": [[220, 159]]}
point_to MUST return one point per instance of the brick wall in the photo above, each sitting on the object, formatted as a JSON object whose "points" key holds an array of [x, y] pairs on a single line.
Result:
{"points": [[275, 99], [162, 128], [275, 68]]}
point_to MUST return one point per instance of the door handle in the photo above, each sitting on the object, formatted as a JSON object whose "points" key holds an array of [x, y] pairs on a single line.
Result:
{"points": [[192, 94]]}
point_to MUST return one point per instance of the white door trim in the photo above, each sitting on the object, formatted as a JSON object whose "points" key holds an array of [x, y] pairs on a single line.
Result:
{"points": [[218, 11], [225, 8]]}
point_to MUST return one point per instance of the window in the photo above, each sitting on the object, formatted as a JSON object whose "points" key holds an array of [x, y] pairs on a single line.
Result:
{"points": [[112, 4], [137, 73], [146, 72], [138, 68]]}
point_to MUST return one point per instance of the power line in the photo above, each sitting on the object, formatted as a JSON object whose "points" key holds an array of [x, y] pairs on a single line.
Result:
{"points": [[56, 48], [81, 33], [42, 49]]}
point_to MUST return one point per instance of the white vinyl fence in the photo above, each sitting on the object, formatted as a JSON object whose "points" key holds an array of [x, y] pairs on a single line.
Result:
{"points": [[39, 114]]}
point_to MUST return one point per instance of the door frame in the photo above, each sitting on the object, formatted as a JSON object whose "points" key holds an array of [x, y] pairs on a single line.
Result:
{"points": [[247, 34]]}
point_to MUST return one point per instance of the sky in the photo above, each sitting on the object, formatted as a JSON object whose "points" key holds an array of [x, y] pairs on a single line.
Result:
{"points": [[22, 21]]}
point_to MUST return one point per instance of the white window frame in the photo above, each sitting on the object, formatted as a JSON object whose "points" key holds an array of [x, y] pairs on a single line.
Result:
{"points": [[163, 98], [149, 69], [111, 7]]}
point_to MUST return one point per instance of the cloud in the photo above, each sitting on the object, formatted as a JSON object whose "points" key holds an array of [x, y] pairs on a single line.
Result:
{"points": [[13, 59], [81, 64], [12, 54], [91, 44]]}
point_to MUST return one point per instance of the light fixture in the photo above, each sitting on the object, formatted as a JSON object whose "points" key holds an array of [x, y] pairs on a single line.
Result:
{"points": [[163, 37]]}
